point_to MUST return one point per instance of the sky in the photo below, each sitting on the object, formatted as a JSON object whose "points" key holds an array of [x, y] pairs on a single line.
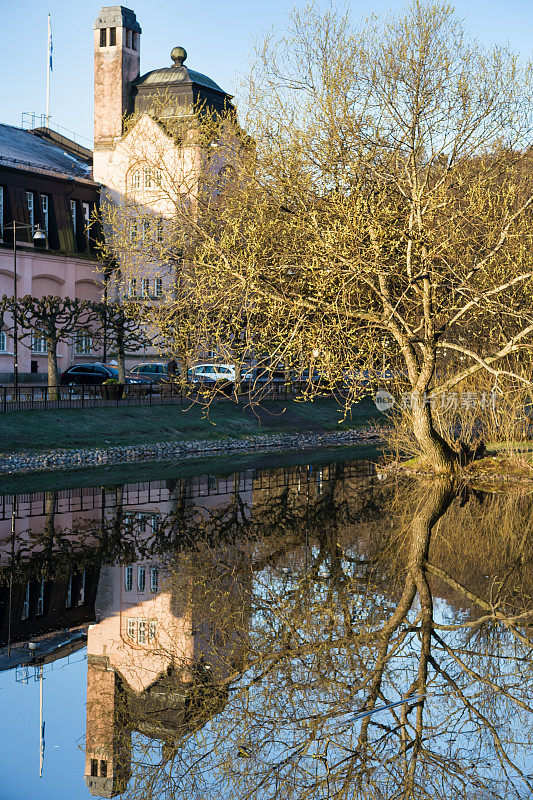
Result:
{"points": [[219, 38]]}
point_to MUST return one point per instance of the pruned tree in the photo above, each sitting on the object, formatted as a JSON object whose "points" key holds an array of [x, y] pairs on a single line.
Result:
{"points": [[124, 331], [55, 319], [382, 215]]}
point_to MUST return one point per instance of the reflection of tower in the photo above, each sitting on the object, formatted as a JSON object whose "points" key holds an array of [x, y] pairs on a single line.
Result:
{"points": [[108, 737]]}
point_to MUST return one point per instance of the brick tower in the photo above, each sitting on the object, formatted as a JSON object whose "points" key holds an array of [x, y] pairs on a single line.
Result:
{"points": [[117, 48]]}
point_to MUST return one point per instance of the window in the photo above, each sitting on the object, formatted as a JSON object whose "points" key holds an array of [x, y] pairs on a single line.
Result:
{"points": [[73, 214], [132, 289], [147, 177], [141, 578], [1, 212], [146, 230], [145, 287], [128, 579], [83, 343], [38, 343], [112, 37], [133, 231], [159, 229], [135, 40], [154, 579], [94, 761], [152, 631], [31, 210], [136, 180], [26, 604], [103, 764], [68, 601], [142, 631], [130, 628], [81, 595], [103, 37], [3, 342], [128, 38], [40, 599], [86, 216], [157, 176], [158, 287], [45, 205]]}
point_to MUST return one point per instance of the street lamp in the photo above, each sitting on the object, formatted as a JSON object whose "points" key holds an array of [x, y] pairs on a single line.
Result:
{"points": [[39, 241]]}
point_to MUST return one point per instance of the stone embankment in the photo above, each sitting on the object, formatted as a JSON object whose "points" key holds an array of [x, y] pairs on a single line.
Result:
{"points": [[174, 451]]}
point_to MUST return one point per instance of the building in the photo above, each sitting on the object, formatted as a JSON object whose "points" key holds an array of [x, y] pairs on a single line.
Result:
{"points": [[45, 181], [140, 164]]}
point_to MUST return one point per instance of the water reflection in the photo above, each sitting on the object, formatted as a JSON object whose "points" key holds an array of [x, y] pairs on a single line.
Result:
{"points": [[239, 626]]}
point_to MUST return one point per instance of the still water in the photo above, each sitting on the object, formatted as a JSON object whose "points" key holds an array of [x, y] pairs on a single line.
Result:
{"points": [[303, 632]]}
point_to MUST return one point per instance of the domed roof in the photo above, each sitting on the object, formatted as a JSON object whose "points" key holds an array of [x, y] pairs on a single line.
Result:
{"points": [[166, 76]]}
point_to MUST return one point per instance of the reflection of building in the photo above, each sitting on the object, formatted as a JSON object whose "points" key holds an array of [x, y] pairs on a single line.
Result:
{"points": [[158, 657]]}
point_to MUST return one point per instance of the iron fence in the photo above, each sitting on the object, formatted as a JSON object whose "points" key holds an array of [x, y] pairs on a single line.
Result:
{"points": [[48, 398]]}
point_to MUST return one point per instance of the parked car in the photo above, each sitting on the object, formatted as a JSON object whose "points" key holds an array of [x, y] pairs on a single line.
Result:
{"points": [[211, 374], [154, 371], [262, 377], [95, 374]]}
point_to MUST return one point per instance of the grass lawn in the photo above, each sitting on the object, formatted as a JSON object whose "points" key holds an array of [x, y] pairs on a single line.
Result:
{"points": [[35, 431]]}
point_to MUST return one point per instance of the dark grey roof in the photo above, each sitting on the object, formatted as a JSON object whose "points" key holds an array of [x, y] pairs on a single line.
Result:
{"points": [[175, 75], [117, 17], [20, 148]]}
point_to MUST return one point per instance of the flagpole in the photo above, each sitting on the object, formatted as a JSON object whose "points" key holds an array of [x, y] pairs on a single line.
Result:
{"points": [[48, 66], [41, 726]]}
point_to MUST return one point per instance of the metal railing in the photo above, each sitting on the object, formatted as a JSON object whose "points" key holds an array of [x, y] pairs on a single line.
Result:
{"points": [[48, 398]]}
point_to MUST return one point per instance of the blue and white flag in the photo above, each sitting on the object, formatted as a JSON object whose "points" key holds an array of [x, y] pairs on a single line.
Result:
{"points": [[50, 43]]}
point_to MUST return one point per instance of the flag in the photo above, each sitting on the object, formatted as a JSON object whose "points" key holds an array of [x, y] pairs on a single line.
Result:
{"points": [[50, 43]]}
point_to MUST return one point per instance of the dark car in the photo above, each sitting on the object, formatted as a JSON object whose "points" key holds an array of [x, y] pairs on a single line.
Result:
{"points": [[154, 371], [94, 374]]}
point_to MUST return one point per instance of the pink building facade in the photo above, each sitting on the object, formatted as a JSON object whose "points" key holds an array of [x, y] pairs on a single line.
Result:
{"points": [[46, 182]]}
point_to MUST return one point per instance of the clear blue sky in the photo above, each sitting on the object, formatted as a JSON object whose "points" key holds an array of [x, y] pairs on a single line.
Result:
{"points": [[218, 36]]}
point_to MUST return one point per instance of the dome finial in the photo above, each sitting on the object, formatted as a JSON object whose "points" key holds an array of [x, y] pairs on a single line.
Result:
{"points": [[178, 56]]}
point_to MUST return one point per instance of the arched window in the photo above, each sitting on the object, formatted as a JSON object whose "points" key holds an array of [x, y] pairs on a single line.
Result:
{"points": [[136, 180]]}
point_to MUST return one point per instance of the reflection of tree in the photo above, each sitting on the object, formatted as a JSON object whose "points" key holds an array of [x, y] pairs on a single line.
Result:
{"points": [[387, 602]]}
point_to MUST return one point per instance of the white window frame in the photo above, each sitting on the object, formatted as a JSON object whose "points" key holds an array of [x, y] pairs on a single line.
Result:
{"points": [[30, 202], [3, 342], [45, 206], [128, 579], [159, 229], [86, 217], [135, 180], [147, 176], [38, 343], [142, 631], [156, 175], [154, 580], [145, 236], [158, 287], [152, 631], [26, 604], [131, 628], [40, 599], [145, 287], [81, 593], [68, 601], [132, 287], [83, 343], [141, 578], [73, 214]]}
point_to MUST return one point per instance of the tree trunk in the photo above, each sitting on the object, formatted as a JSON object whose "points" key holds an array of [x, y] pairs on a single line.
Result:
{"points": [[120, 359], [434, 448], [53, 377]]}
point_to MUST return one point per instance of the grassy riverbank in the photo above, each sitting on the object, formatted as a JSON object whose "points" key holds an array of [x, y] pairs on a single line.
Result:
{"points": [[37, 431], [219, 465]]}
